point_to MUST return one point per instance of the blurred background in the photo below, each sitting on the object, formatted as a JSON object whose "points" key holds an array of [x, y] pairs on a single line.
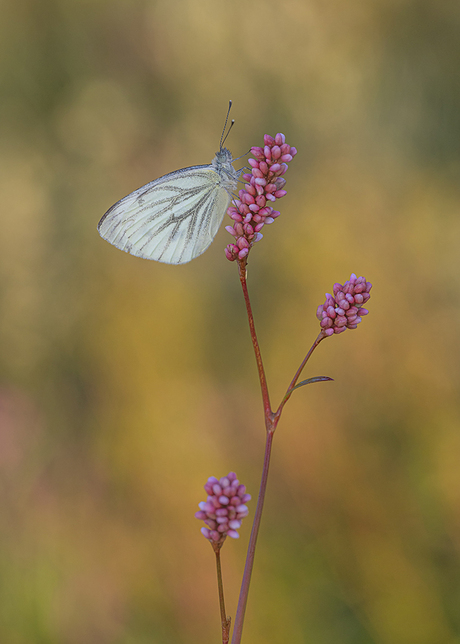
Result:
{"points": [[125, 384]]}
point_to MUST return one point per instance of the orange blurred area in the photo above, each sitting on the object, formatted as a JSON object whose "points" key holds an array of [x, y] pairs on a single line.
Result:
{"points": [[125, 384]]}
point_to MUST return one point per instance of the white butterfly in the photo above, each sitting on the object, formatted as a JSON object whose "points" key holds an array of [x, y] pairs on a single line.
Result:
{"points": [[174, 218]]}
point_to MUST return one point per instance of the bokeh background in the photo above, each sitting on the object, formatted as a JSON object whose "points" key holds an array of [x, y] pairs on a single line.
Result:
{"points": [[125, 384]]}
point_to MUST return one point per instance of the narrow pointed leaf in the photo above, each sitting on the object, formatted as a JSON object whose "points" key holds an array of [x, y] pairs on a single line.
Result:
{"points": [[308, 382]]}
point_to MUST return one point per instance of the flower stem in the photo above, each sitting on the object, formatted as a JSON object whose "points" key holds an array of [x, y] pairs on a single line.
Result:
{"points": [[288, 393], [270, 426], [271, 422], [223, 614], [255, 344], [243, 598]]}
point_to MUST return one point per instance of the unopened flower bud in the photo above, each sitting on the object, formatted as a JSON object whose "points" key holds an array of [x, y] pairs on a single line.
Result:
{"points": [[343, 310], [223, 513]]}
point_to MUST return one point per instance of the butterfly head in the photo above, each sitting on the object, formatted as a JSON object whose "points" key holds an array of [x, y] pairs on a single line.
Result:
{"points": [[222, 158]]}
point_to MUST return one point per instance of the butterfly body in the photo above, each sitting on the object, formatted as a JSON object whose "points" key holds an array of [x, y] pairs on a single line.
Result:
{"points": [[174, 218]]}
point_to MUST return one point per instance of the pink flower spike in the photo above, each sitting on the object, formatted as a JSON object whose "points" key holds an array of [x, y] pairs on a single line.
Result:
{"points": [[223, 513], [343, 310], [264, 185]]}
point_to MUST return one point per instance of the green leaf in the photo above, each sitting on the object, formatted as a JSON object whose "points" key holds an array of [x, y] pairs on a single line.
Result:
{"points": [[308, 382]]}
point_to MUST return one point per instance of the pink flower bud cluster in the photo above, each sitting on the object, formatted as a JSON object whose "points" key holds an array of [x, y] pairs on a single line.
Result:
{"points": [[263, 186], [224, 508], [343, 310]]}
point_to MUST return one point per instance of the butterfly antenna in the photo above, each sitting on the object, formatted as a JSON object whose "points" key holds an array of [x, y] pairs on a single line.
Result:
{"points": [[243, 155], [222, 140]]}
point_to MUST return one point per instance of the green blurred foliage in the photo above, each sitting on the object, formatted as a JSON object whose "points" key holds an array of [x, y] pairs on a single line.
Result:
{"points": [[125, 384]]}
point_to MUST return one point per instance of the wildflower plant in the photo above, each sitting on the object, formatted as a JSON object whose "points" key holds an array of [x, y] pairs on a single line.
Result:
{"points": [[225, 506], [161, 221]]}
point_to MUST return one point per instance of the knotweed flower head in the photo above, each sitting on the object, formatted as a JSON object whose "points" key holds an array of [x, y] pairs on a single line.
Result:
{"points": [[343, 310], [252, 210], [224, 508]]}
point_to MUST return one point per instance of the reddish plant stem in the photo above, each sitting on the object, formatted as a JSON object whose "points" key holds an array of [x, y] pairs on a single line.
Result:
{"points": [[271, 422], [270, 426], [223, 614], [243, 598], [277, 414], [255, 344]]}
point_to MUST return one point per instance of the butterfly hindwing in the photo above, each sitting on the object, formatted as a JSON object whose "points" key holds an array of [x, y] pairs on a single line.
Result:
{"points": [[172, 219]]}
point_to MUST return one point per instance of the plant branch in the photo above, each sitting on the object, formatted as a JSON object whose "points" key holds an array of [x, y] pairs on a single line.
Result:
{"points": [[255, 344], [243, 598], [223, 614], [291, 387]]}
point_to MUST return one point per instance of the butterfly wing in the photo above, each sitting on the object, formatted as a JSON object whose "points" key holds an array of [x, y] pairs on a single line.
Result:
{"points": [[172, 219]]}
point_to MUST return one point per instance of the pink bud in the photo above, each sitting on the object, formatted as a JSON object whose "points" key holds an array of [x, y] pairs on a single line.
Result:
{"points": [[257, 152]]}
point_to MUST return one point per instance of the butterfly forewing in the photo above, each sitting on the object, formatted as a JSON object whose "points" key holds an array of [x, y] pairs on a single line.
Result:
{"points": [[174, 218]]}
